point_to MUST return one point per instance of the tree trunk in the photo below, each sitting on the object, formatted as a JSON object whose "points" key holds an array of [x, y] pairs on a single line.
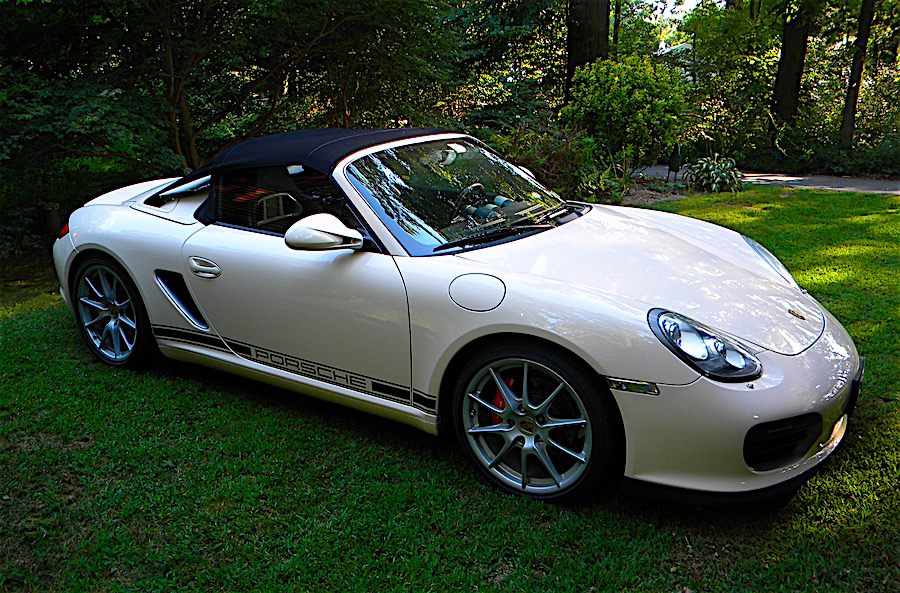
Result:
{"points": [[583, 33], [794, 37], [604, 29], [754, 9], [848, 121], [172, 84], [188, 135], [616, 18]]}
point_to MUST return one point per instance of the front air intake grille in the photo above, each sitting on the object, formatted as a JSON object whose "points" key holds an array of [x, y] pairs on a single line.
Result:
{"points": [[775, 444]]}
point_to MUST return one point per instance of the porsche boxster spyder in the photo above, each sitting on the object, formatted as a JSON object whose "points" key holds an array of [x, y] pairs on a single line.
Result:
{"points": [[417, 275]]}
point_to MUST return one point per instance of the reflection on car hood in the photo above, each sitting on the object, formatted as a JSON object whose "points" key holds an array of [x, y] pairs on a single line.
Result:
{"points": [[684, 265]]}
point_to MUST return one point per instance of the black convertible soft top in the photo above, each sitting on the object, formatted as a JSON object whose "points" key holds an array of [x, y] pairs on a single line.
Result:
{"points": [[319, 149]]}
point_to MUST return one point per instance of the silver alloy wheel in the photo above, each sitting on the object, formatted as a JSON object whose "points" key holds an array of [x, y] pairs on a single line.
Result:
{"points": [[107, 312], [527, 426]]}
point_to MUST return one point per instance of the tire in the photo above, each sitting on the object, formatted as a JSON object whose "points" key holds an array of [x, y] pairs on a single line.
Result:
{"points": [[565, 429], [110, 314]]}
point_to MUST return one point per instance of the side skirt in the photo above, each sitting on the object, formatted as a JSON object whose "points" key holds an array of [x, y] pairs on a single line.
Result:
{"points": [[222, 359]]}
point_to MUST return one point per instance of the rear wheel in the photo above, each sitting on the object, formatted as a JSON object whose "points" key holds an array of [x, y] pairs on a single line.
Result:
{"points": [[537, 423], [110, 314]]}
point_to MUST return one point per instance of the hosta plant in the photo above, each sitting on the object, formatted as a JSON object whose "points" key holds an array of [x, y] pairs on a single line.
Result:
{"points": [[714, 174]]}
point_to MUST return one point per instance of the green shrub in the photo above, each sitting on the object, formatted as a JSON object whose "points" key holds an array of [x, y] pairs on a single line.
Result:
{"points": [[714, 174], [564, 158], [630, 109]]}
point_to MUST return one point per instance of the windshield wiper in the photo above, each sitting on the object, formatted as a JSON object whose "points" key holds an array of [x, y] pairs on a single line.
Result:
{"points": [[492, 235], [553, 213]]}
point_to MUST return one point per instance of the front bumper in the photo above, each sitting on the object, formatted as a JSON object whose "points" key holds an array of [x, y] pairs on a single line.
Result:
{"points": [[856, 387], [693, 436]]}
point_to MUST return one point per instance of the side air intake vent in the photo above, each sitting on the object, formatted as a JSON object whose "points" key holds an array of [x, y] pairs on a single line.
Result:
{"points": [[173, 286]]}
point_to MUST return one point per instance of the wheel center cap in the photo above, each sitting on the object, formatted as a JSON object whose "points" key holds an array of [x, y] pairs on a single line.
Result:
{"points": [[527, 426]]}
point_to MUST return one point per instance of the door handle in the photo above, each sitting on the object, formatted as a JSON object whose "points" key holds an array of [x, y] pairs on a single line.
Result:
{"points": [[203, 268]]}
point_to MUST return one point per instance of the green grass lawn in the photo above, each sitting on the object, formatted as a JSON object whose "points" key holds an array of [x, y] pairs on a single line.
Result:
{"points": [[184, 478]]}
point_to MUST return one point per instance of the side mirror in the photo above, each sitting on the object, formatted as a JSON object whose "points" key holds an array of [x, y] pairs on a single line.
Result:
{"points": [[321, 232]]}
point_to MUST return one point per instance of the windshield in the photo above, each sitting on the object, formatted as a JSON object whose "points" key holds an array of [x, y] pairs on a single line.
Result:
{"points": [[433, 193]]}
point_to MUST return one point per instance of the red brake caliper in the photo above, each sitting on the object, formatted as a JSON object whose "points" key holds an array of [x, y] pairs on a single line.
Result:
{"points": [[499, 403]]}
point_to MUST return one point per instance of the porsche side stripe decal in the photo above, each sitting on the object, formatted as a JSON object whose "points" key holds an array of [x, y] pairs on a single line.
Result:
{"points": [[425, 402], [396, 392], [306, 368], [192, 337], [335, 376]]}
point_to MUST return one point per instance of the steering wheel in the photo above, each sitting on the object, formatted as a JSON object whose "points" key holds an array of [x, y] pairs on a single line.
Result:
{"points": [[457, 206]]}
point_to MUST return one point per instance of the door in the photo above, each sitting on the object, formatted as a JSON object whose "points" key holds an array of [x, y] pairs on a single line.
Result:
{"points": [[335, 316]]}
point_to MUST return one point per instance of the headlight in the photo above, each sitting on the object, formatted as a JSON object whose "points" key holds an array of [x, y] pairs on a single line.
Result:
{"points": [[772, 261], [712, 355]]}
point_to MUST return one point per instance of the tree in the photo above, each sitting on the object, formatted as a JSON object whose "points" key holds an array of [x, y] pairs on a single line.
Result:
{"points": [[587, 35], [730, 61], [215, 72], [848, 119], [228, 62], [512, 60], [797, 23], [604, 29], [393, 66]]}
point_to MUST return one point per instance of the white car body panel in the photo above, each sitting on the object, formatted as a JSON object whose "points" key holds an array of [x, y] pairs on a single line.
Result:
{"points": [[378, 331], [611, 336], [140, 243], [659, 268], [335, 310]]}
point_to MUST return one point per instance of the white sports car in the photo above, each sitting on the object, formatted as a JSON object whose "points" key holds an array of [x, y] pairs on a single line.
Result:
{"points": [[416, 275]]}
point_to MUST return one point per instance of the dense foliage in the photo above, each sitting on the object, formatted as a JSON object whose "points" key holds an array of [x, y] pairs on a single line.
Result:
{"points": [[630, 108], [730, 60], [568, 159], [96, 94]]}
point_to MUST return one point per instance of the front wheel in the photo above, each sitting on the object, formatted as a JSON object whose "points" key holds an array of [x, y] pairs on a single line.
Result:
{"points": [[110, 314], [537, 423]]}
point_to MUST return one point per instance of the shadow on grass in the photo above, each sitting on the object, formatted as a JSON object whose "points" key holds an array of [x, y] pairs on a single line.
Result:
{"points": [[446, 450]]}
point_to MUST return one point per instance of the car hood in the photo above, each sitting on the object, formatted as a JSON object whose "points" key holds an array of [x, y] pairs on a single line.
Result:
{"points": [[698, 269]]}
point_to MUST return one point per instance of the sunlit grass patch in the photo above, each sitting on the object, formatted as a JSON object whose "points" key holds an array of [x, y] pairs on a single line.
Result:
{"points": [[823, 275]]}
